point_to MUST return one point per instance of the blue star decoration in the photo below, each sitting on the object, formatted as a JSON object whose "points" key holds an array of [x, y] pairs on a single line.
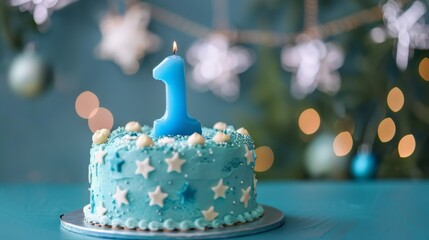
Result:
{"points": [[186, 193], [116, 163]]}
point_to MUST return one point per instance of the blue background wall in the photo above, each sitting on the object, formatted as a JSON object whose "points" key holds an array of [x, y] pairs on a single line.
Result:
{"points": [[44, 139]]}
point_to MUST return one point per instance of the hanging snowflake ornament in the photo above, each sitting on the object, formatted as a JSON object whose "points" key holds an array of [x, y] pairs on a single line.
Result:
{"points": [[408, 27], [314, 64], [41, 9], [216, 66], [126, 39]]}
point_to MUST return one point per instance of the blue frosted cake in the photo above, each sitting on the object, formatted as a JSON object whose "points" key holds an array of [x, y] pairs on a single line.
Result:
{"points": [[138, 181]]}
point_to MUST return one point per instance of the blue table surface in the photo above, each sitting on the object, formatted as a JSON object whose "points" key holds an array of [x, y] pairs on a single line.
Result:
{"points": [[314, 210]]}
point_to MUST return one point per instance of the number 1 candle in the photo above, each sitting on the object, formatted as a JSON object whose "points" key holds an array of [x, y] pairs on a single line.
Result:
{"points": [[176, 120]]}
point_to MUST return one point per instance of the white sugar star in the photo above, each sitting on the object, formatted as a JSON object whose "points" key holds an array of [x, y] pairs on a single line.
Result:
{"points": [[210, 214], [144, 168], [157, 197], [219, 189], [120, 196], [125, 38], [245, 197], [248, 155], [100, 210], [99, 156], [175, 163]]}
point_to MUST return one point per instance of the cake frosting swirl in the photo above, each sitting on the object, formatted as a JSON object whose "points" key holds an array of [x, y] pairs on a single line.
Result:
{"points": [[172, 182]]}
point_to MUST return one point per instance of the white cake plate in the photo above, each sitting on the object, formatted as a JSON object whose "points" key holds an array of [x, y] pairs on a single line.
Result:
{"points": [[272, 218]]}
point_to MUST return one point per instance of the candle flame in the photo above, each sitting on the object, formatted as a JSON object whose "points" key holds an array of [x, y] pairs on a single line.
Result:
{"points": [[174, 47]]}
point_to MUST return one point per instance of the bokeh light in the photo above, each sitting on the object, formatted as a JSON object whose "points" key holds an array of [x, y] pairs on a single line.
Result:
{"points": [[424, 69], [406, 146], [343, 144], [395, 99], [386, 130], [264, 158], [85, 103], [100, 118], [378, 35], [309, 121]]}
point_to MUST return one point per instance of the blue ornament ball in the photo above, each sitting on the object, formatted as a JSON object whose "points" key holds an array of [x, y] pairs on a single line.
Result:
{"points": [[364, 166], [321, 161]]}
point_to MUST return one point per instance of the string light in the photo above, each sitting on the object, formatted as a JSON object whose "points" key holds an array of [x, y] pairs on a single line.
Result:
{"points": [[424, 69], [406, 146], [395, 99], [343, 144], [309, 121], [85, 103], [386, 130], [264, 158], [100, 118]]}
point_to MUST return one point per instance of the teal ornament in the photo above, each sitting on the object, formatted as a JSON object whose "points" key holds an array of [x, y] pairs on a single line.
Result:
{"points": [[29, 75], [321, 161], [364, 165]]}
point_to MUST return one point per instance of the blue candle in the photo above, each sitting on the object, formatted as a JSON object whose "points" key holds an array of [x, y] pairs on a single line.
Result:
{"points": [[176, 120]]}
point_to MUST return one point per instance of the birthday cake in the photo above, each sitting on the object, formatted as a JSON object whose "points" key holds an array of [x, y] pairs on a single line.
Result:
{"points": [[139, 181], [176, 175]]}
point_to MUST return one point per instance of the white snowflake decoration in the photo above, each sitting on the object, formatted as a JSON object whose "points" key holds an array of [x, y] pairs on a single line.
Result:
{"points": [[217, 65], [125, 38], [314, 65], [41, 9], [408, 27]]}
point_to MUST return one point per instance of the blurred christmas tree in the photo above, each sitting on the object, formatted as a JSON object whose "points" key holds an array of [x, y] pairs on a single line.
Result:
{"points": [[368, 120]]}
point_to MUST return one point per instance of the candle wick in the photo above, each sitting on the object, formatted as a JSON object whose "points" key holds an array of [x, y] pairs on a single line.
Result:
{"points": [[174, 47]]}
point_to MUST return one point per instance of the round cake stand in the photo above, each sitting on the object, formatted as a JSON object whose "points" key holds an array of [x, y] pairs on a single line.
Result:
{"points": [[272, 218]]}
